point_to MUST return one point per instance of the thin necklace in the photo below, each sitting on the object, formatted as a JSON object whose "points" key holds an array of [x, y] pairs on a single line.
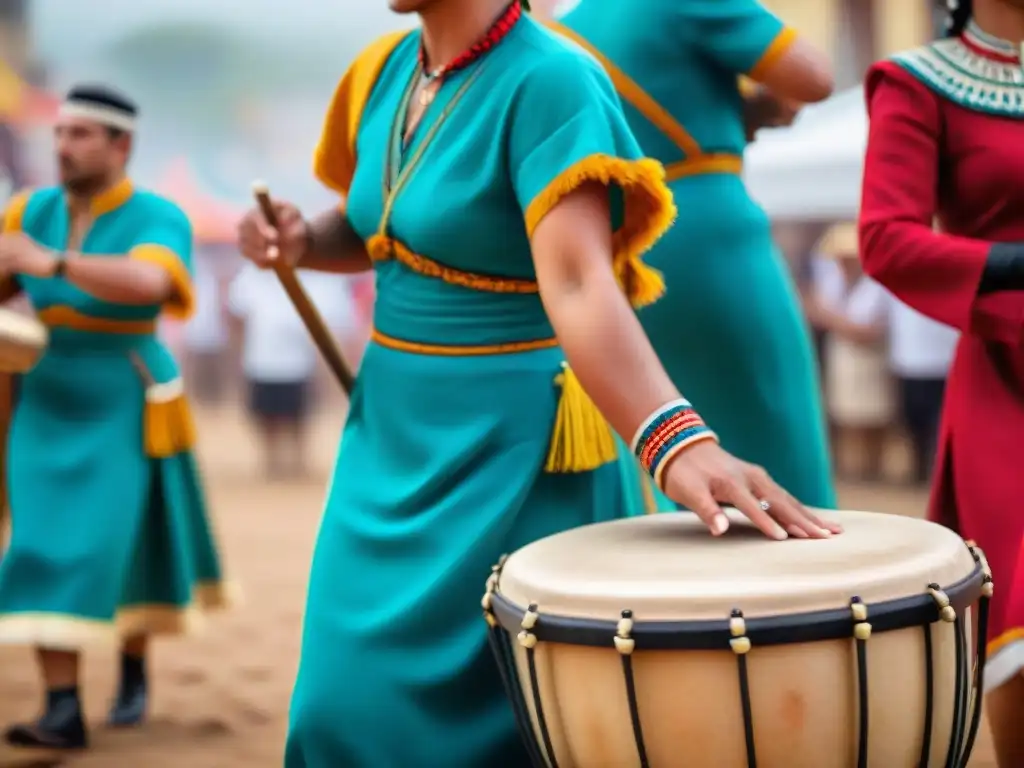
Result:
{"points": [[494, 35]]}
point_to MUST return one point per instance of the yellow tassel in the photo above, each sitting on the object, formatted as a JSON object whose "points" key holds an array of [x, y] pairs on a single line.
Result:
{"points": [[582, 440], [168, 428]]}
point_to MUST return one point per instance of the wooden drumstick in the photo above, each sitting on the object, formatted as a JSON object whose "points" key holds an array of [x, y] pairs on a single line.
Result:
{"points": [[311, 318]]}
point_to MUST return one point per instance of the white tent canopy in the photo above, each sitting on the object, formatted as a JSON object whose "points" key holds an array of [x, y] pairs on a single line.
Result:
{"points": [[813, 169]]}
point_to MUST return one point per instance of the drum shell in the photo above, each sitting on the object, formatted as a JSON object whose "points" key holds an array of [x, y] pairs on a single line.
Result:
{"points": [[713, 643], [804, 701]]}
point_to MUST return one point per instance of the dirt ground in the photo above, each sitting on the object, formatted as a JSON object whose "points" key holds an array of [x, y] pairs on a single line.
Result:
{"points": [[221, 698]]}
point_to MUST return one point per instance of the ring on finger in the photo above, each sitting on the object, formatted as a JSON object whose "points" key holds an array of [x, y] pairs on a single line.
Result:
{"points": [[765, 505]]}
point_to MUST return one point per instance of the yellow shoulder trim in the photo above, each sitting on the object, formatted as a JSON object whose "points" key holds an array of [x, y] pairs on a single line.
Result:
{"points": [[747, 86], [649, 213], [334, 162], [182, 302], [15, 212], [633, 94], [776, 50]]}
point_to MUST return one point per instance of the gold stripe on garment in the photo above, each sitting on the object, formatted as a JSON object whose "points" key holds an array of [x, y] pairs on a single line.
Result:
{"points": [[775, 51], [697, 161], [633, 94], [703, 164], [581, 440], [382, 248], [63, 316], [460, 350]]}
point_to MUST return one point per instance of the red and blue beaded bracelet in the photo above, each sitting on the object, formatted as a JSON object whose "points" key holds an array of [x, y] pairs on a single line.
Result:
{"points": [[665, 433]]}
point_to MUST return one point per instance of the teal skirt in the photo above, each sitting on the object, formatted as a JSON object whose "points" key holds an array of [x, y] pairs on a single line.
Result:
{"points": [[439, 474], [732, 335], [105, 541]]}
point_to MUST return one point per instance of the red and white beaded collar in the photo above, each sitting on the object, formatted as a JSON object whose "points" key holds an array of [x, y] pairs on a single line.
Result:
{"points": [[977, 70]]}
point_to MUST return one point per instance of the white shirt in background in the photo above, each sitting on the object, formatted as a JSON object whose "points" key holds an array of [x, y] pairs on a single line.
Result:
{"points": [[866, 303], [276, 346], [206, 330], [919, 347], [858, 384]]}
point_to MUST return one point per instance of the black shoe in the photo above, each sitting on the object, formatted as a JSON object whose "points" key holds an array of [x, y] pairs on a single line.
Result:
{"points": [[129, 710], [130, 706], [60, 729]]}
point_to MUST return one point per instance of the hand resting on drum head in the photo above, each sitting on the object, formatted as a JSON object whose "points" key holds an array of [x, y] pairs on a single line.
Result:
{"points": [[704, 477], [575, 258]]}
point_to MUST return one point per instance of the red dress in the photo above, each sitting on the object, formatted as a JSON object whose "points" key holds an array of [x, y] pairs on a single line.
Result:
{"points": [[946, 143]]}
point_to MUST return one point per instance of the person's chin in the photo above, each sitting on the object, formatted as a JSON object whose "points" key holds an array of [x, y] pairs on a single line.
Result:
{"points": [[406, 6]]}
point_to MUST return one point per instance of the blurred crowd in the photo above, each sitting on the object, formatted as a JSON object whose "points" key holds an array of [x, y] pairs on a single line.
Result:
{"points": [[883, 364], [247, 343]]}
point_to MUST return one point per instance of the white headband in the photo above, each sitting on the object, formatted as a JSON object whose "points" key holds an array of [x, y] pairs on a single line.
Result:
{"points": [[98, 113]]}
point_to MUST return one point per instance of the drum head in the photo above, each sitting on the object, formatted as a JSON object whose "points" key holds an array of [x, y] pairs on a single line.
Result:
{"points": [[22, 338], [669, 567]]}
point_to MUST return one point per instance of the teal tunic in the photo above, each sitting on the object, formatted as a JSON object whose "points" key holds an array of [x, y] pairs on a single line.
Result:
{"points": [[109, 533], [730, 331], [441, 468]]}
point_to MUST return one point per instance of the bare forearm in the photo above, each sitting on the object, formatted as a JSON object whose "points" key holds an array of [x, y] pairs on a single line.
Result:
{"points": [[608, 350], [334, 245], [119, 279]]}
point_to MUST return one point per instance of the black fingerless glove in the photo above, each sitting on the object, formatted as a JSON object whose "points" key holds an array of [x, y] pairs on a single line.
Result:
{"points": [[1004, 269]]}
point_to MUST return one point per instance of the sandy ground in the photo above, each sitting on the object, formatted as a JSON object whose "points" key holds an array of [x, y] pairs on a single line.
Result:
{"points": [[221, 698]]}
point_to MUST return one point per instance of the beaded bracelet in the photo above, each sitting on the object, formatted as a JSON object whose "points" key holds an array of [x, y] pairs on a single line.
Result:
{"points": [[665, 433]]}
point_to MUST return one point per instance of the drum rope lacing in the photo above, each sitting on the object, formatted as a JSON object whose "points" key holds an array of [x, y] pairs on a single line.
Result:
{"points": [[967, 691]]}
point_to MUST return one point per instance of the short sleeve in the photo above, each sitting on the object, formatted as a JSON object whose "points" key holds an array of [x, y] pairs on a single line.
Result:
{"points": [[567, 129], [12, 221], [167, 242], [742, 36], [334, 161], [14, 212]]}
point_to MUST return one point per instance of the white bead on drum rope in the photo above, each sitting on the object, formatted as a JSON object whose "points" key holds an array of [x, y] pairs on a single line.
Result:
{"points": [[947, 612], [861, 627], [739, 642], [526, 638], [624, 642]]}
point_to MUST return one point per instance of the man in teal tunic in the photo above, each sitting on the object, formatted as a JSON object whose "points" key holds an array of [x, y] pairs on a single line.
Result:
{"points": [[109, 535], [730, 330]]}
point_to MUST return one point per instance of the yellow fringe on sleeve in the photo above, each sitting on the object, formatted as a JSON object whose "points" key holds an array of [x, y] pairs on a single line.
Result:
{"points": [[649, 213], [334, 162], [168, 428], [582, 440]]}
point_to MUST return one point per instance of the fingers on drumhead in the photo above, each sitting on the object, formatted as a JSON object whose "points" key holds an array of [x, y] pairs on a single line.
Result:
{"points": [[710, 512], [791, 512]]}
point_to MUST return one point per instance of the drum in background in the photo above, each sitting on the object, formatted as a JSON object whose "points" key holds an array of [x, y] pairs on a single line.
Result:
{"points": [[646, 642], [22, 340]]}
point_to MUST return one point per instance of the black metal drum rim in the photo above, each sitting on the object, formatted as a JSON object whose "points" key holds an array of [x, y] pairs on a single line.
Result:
{"points": [[713, 634]]}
